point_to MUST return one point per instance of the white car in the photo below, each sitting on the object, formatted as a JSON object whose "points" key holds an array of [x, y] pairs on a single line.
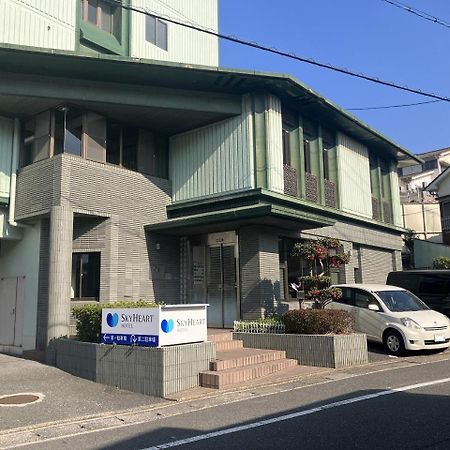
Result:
{"points": [[394, 316]]}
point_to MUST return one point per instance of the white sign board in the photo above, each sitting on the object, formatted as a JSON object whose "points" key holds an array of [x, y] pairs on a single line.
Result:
{"points": [[154, 327]]}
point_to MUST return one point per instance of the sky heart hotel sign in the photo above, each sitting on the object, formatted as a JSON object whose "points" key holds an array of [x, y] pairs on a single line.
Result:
{"points": [[155, 327]]}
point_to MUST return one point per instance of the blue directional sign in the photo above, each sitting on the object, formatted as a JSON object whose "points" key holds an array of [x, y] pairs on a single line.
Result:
{"points": [[130, 339]]}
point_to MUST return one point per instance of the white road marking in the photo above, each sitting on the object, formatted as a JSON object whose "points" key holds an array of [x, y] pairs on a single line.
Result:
{"points": [[306, 412]]}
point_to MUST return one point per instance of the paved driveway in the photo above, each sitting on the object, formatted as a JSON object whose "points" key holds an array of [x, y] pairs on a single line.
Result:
{"points": [[64, 396]]}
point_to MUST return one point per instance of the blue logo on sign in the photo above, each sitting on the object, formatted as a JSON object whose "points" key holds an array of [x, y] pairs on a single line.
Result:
{"points": [[167, 325], [112, 319]]}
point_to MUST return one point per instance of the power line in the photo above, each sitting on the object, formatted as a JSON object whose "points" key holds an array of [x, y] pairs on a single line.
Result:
{"points": [[418, 12], [393, 106], [283, 53]]}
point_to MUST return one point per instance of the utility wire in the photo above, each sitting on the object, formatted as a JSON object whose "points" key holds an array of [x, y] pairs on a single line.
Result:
{"points": [[418, 12], [283, 53], [392, 106]]}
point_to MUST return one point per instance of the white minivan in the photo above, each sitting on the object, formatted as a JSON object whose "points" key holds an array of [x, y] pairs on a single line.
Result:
{"points": [[394, 316]]}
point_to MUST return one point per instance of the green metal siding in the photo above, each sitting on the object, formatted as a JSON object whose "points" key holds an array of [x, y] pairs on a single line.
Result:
{"points": [[274, 144], [184, 45], [213, 159], [354, 177], [39, 23], [6, 141]]}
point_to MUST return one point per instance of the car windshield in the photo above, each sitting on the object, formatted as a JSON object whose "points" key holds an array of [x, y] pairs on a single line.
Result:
{"points": [[398, 301]]}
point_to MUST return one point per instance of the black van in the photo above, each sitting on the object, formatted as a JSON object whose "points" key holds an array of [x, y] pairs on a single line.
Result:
{"points": [[431, 286]]}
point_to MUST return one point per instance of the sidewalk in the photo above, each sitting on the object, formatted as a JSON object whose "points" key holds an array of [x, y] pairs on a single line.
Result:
{"points": [[64, 396]]}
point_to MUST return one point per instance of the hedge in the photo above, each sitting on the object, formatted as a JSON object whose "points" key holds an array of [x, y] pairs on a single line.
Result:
{"points": [[89, 317], [318, 321]]}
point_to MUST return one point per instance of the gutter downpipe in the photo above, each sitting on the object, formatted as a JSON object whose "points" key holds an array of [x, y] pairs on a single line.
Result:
{"points": [[14, 169]]}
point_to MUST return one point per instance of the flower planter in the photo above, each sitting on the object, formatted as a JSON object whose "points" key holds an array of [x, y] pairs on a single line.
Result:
{"points": [[330, 350]]}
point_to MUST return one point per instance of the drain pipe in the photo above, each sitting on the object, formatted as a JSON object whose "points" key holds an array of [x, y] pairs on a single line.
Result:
{"points": [[14, 169]]}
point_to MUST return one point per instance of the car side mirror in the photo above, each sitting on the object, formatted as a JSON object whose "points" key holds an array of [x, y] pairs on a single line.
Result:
{"points": [[374, 307]]}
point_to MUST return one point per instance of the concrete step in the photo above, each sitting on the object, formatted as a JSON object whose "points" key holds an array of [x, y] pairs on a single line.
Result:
{"points": [[228, 377], [223, 346], [244, 357], [220, 336]]}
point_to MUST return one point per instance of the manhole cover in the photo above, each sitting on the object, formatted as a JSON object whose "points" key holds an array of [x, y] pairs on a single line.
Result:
{"points": [[19, 399]]}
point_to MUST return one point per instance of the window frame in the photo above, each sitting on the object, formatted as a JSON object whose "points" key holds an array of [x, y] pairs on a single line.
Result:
{"points": [[94, 38], [77, 256], [156, 38]]}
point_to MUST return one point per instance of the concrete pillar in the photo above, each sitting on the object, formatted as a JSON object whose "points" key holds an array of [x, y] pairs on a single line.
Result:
{"points": [[60, 267]]}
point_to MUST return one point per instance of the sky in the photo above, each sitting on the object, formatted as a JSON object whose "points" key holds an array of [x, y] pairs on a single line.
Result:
{"points": [[365, 36]]}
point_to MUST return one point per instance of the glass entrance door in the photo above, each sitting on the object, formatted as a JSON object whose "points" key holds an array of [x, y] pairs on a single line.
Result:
{"points": [[221, 285]]}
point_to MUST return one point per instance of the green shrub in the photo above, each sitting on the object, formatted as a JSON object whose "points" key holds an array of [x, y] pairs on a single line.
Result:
{"points": [[318, 321], [89, 317], [441, 262]]}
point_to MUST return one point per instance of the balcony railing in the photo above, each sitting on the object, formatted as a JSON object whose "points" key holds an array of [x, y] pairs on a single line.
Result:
{"points": [[311, 190], [290, 180], [330, 194]]}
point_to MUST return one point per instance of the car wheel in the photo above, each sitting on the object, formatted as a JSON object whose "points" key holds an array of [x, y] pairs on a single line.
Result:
{"points": [[393, 342]]}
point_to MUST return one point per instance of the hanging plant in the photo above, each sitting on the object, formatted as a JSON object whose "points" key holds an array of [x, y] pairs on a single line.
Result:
{"points": [[338, 260]]}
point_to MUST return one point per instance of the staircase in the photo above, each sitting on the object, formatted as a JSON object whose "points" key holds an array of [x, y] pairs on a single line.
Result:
{"points": [[235, 364]]}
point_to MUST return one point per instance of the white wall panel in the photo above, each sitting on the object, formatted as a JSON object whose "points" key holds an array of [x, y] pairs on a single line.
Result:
{"points": [[213, 159], [395, 192], [38, 23], [184, 45], [6, 142], [274, 143], [354, 176]]}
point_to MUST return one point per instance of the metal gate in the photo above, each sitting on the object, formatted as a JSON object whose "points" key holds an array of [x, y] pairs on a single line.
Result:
{"points": [[11, 311]]}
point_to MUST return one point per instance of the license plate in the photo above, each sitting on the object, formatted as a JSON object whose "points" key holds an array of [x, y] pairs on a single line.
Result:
{"points": [[439, 338]]}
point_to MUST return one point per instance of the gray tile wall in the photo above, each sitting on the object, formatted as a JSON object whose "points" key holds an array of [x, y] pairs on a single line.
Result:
{"points": [[111, 206]]}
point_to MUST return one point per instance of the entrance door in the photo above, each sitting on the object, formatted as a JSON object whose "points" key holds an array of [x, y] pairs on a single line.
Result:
{"points": [[221, 285], [11, 311]]}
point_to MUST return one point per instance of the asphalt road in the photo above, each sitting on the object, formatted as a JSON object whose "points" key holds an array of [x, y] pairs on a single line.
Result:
{"points": [[398, 406]]}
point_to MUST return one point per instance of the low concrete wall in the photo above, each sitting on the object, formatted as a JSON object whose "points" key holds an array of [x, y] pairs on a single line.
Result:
{"points": [[151, 371], [313, 350]]}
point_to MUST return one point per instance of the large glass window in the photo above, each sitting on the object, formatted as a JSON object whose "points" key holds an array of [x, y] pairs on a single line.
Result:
{"points": [[156, 32], [86, 275], [68, 131]]}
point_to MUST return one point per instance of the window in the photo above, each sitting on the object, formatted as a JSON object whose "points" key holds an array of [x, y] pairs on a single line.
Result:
{"points": [[68, 131], [346, 298], [103, 15], [286, 148], [363, 300], [156, 32], [86, 275], [122, 145], [309, 135], [328, 143]]}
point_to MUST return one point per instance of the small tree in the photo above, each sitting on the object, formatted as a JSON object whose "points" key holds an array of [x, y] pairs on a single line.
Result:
{"points": [[441, 262], [321, 255]]}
